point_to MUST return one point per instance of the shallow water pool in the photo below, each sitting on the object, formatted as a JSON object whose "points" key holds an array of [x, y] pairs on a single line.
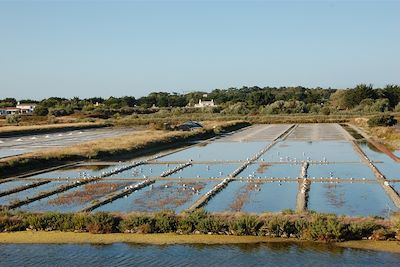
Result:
{"points": [[13, 184], [341, 170], [75, 199], [272, 197], [271, 170], [354, 199], [333, 151], [75, 172], [5, 200], [388, 167], [163, 195], [218, 151], [145, 170], [206, 171]]}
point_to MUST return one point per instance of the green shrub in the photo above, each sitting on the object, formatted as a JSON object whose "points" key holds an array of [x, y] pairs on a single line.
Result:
{"points": [[186, 225], [102, 222], [326, 228], [10, 223], [383, 234], [165, 222], [189, 223], [360, 230], [212, 224], [58, 112], [13, 119], [380, 105], [397, 107], [246, 225], [50, 221], [80, 221], [279, 226], [325, 110], [137, 224], [382, 120], [40, 110], [301, 225]]}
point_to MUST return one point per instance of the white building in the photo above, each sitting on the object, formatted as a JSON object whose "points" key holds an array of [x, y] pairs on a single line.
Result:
{"points": [[203, 104], [26, 108], [9, 111]]}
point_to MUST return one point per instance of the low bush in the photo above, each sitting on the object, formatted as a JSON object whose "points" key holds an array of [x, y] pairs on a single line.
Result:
{"points": [[325, 228], [212, 224], [102, 223], [383, 234], [13, 119], [246, 225], [360, 230], [382, 120], [9, 223], [50, 221], [137, 224], [80, 221], [165, 222], [277, 226], [189, 222]]}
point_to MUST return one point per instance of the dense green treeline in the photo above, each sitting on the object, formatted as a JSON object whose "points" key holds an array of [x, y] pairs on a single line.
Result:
{"points": [[246, 100]]}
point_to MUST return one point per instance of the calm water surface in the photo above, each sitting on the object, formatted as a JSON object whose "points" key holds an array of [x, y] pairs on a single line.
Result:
{"points": [[272, 254], [218, 151]]}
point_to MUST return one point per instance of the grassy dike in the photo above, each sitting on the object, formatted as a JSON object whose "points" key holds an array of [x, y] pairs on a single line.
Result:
{"points": [[121, 147], [200, 227]]}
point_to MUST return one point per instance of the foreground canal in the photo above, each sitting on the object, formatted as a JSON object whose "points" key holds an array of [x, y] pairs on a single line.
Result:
{"points": [[267, 254]]}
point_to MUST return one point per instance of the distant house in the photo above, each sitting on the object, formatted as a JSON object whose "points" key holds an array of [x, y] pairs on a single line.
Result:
{"points": [[26, 108], [9, 111], [203, 104], [19, 109]]}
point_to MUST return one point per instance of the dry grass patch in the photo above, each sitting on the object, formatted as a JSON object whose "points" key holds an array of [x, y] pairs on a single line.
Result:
{"points": [[55, 237], [389, 135]]}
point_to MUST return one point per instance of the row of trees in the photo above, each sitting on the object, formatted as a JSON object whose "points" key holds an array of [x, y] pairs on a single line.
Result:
{"points": [[245, 100]]}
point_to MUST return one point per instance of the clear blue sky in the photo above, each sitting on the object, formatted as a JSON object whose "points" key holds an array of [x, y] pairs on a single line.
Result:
{"points": [[132, 48]]}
